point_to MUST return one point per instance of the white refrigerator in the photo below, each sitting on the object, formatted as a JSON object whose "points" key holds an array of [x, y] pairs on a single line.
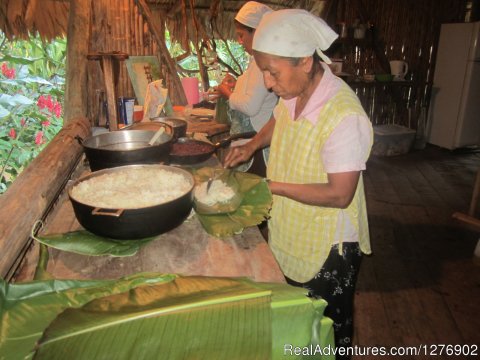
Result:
{"points": [[454, 112]]}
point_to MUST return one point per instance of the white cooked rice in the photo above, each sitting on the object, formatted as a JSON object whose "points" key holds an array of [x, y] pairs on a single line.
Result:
{"points": [[131, 188], [219, 192]]}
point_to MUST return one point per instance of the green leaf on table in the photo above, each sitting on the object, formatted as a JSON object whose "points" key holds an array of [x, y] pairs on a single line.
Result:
{"points": [[26, 309], [85, 243], [189, 318], [255, 206]]}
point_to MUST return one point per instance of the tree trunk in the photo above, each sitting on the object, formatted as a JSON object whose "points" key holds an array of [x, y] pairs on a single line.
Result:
{"points": [[36, 189]]}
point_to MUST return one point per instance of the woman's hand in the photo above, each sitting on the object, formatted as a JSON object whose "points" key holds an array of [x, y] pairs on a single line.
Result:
{"points": [[239, 154], [224, 90]]}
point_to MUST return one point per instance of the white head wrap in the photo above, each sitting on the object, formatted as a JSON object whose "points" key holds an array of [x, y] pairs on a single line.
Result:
{"points": [[251, 13], [293, 33]]}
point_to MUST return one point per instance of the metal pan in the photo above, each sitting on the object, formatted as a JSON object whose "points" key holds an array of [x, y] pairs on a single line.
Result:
{"points": [[187, 151], [126, 147]]}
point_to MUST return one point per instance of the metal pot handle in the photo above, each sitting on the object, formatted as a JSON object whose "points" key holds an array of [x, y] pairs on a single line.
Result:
{"points": [[108, 212], [79, 139], [228, 140]]}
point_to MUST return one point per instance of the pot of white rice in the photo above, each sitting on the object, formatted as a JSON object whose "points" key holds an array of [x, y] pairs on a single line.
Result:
{"points": [[133, 201]]}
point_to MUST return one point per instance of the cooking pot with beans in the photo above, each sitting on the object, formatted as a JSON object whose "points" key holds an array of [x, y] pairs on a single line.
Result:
{"points": [[187, 151]]}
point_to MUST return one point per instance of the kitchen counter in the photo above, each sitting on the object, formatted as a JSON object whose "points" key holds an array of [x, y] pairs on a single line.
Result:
{"points": [[186, 250]]}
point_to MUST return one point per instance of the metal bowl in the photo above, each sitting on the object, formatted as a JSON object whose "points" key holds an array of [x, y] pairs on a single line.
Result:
{"points": [[126, 147]]}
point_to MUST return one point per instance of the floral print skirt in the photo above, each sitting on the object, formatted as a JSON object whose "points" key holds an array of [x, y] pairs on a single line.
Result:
{"points": [[335, 283]]}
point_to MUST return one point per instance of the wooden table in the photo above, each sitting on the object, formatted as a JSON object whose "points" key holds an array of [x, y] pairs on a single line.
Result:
{"points": [[186, 250]]}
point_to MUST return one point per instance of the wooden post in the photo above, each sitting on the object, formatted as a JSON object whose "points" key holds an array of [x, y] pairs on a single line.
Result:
{"points": [[110, 67], [35, 189], [76, 91], [164, 54]]}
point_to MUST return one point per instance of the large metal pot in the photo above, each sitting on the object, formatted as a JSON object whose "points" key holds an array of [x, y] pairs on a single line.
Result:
{"points": [[138, 223], [118, 148]]}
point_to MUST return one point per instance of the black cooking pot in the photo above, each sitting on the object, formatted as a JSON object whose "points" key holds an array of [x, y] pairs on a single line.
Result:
{"points": [[179, 125], [138, 223], [119, 148], [187, 151]]}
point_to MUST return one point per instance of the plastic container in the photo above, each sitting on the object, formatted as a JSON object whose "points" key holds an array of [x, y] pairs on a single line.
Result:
{"points": [[391, 140]]}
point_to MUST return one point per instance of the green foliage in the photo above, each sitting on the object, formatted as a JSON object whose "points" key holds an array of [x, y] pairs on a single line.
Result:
{"points": [[32, 84], [215, 71]]}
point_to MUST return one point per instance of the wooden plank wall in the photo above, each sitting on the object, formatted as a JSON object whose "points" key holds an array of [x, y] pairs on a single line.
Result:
{"points": [[117, 25], [409, 31]]}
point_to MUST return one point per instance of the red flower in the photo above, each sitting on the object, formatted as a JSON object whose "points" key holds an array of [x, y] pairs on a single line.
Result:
{"points": [[46, 123], [49, 103], [23, 122], [12, 134], [9, 73], [41, 102], [46, 102], [57, 109], [39, 138]]}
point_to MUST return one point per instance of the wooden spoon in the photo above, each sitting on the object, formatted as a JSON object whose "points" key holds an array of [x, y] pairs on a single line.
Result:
{"points": [[156, 136]]}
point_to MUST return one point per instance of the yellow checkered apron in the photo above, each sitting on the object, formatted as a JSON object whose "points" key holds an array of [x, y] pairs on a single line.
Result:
{"points": [[301, 235]]}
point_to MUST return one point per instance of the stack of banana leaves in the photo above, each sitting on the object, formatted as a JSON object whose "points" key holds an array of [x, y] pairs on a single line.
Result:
{"points": [[160, 316]]}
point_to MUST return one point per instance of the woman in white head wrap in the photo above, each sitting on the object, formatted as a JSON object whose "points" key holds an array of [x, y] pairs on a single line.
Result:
{"points": [[320, 139], [251, 104]]}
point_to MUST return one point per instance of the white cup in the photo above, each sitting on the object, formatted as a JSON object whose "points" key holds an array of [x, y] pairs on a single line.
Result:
{"points": [[336, 66], [398, 69]]}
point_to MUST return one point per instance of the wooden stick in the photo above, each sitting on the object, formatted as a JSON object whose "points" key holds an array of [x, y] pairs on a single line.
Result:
{"points": [[201, 66], [467, 220], [475, 195]]}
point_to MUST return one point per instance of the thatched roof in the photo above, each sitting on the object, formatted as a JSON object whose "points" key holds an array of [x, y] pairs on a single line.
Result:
{"points": [[50, 17]]}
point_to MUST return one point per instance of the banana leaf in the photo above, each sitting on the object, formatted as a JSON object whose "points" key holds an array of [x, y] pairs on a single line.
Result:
{"points": [[27, 309], [255, 206], [85, 243], [200, 318], [191, 317]]}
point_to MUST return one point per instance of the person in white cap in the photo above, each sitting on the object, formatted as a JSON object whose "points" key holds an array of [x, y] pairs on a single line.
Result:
{"points": [[320, 139], [251, 103]]}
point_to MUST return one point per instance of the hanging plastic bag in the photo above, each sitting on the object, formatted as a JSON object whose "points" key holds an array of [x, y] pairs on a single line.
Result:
{"points": [[155, 100]]}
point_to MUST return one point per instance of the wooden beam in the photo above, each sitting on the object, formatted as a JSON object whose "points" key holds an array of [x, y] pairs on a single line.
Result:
{"points": [[199, 50], [36, 189], [76, 92], [164, 54], [110, 63]]}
